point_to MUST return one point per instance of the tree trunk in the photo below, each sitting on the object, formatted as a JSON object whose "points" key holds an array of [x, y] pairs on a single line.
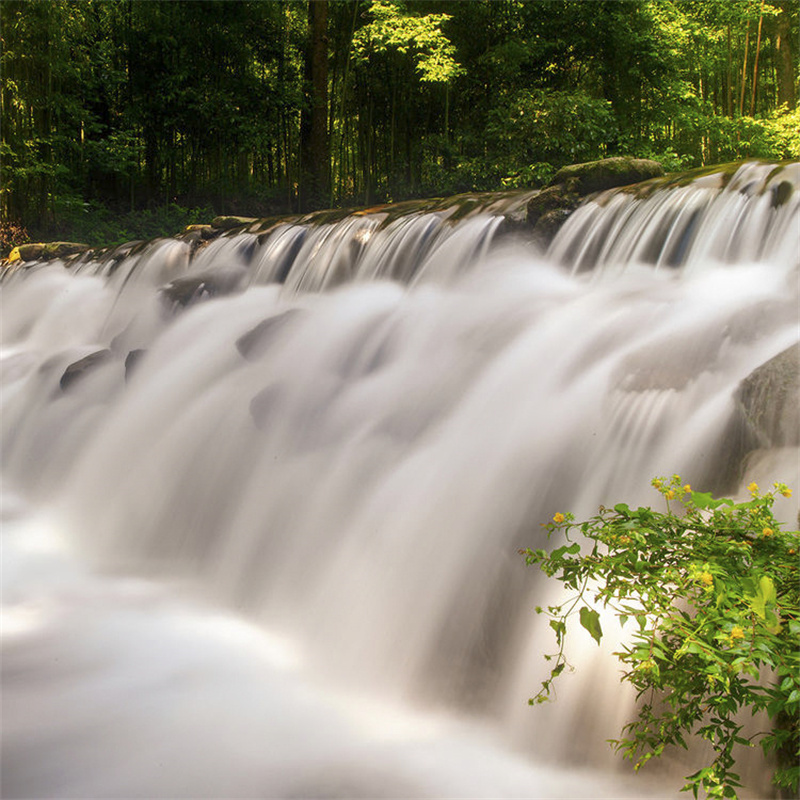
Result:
{"points": [[755, 65], [744, 70], [784, 62], [314, 154]]}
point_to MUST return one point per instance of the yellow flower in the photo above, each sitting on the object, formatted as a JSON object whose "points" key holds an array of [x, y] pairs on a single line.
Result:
{"points": [[787, 492], [737, 632], [558, 518], [753, 488], [767, 532], [669, 494], [657, 483], [687, 488], [707, 578]]}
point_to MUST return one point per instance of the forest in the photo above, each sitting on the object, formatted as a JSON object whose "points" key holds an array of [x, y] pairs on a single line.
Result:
{"points": [[120, 116]]}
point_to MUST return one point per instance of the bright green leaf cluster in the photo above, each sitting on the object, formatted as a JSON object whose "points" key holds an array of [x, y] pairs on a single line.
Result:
{"points": [[714, 589], [393, 27]]}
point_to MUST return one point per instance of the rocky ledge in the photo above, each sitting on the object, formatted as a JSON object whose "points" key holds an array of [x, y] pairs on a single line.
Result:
{"points": [[571, 185]]}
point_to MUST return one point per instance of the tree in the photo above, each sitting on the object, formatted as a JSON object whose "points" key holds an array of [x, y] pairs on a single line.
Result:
{"points": [[314, 141]]}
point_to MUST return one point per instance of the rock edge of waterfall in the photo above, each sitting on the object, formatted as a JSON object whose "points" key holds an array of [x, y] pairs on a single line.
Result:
{"points": [[539, 212]]}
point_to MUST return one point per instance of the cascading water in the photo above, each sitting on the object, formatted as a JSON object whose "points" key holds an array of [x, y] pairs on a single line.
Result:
{"points": [[263, 501]]}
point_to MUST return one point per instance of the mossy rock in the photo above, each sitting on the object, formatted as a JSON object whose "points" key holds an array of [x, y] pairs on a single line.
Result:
{"points": [[608, 173], [558, 198], [202, 231], [45, 251], [229, 223]]}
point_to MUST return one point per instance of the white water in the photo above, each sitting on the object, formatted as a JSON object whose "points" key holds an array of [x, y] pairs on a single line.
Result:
{"points": [[285, 565]]}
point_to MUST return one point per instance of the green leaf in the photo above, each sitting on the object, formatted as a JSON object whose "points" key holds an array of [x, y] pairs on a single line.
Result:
{"points": [[590, 620], [766, 588], [571, 549]]}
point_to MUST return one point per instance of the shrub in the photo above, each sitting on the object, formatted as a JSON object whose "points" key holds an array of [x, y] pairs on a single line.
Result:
{"points": [[709, 589], [11, 235]]}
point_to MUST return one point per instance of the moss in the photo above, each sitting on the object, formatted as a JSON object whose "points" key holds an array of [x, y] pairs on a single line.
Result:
{"points": [[608, 173], [228, 223]]}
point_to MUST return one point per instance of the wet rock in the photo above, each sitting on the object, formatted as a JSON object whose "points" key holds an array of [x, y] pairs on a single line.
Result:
{"points": [[82, 367], [768, 398], [190, 288], [253, 343], [131, 360], [549, 224], [548, 210], [554, 198], [780, 193]]}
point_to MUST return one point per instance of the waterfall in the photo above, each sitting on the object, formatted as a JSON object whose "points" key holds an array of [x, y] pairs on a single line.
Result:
{"points": [[263, 499]]}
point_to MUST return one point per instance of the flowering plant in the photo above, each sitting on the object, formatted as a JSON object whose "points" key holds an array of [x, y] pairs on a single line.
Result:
{"points": [[710, 589]]}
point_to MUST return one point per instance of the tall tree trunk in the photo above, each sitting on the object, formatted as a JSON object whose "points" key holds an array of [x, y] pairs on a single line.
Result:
{"points": [[785, 60], [314, 150], [729, 87], [744, 70], [755, 65]]}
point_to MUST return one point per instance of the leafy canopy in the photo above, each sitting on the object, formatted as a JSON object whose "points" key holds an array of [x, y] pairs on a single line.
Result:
{"points": [[394, 28]]}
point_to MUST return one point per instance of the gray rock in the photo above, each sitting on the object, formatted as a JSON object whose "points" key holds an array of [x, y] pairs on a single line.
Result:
{"points": [[769, 396], [82, 367], [253, 343]]}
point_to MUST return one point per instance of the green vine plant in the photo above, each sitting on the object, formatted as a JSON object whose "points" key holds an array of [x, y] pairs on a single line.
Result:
{"points": [[708, 596]]}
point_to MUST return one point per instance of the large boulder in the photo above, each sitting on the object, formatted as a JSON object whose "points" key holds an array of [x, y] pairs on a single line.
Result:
{"points": [[608, 173], [768, 399]]}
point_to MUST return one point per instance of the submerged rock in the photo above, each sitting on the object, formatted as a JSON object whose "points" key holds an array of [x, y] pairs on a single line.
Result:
{"points": [[82, 367], [131, 361], [254, 342], [188, 289], [263, 404]]}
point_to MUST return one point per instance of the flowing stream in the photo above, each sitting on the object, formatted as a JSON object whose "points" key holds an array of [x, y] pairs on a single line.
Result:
{"points": [[263, 501]]}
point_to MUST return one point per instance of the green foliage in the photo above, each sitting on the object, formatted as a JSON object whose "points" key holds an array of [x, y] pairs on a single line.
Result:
{"points": [[393, 27], [99, 226], [560, 127], [151, 102], [709, 594]]}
